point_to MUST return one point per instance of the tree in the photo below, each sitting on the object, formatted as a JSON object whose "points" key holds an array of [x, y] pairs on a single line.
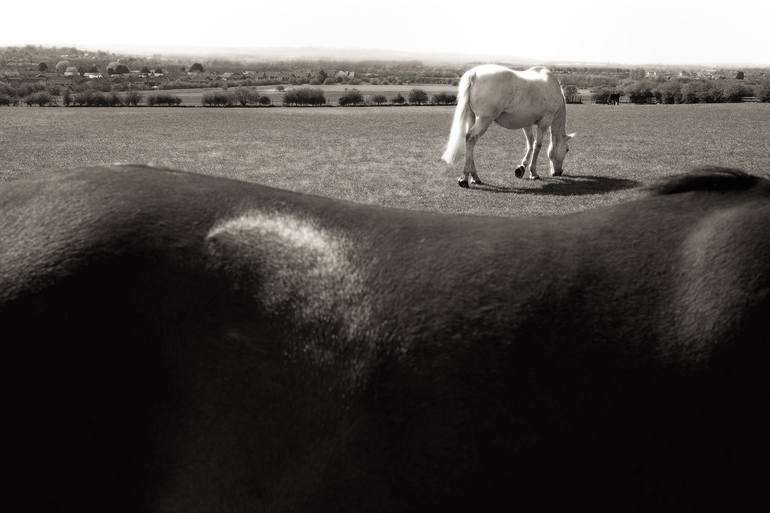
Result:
{"points": [[145, 70], [42, 67], [159, 70], [739, 75], [40, 98], [398, 99], [601, 94], [734, 93], [166, 99], [444, 98], [245, 96], [93, 69], [197, 66], [351, 97], [304, 96], [691, 90], [61, 66], [418, 96], [638, 91], [218, 99], [702, 91], [133, 98], [114, 100], [570, 90], [762, 91], [669, 92], [116, 68], [379, 99], [66, 97]]}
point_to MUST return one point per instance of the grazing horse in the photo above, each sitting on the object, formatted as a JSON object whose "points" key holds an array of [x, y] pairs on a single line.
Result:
{"points": [[531, 100], [178, 342]]}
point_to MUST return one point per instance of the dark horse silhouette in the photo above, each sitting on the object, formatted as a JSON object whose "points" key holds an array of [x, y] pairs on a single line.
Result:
{"points": [[177, 342]]}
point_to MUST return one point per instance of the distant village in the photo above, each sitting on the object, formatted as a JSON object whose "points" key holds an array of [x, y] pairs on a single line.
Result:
{"points": [[69, 67]]}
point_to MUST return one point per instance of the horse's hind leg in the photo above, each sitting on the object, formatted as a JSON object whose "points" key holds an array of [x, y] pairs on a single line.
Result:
{"points": [[477, 130], [519, 171]]}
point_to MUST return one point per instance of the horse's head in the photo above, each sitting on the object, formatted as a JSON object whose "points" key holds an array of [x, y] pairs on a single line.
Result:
{"points": [[557, 151]]}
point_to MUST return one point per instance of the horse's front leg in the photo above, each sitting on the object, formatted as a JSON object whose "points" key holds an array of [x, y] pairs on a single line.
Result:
{"points": [[476, 131], [541, 129], [519, 171]]}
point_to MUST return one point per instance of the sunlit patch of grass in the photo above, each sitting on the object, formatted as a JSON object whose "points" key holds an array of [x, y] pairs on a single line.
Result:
{"points": [[390, 156]]}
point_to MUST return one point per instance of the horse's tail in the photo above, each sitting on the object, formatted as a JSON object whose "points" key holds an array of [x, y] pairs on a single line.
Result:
{"points": [[462, 121]]}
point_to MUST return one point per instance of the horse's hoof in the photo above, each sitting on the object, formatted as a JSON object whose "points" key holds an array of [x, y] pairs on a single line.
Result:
{"points": [[557, 173], [519, 172], [462, 182], [534, 177], [476, 182]]}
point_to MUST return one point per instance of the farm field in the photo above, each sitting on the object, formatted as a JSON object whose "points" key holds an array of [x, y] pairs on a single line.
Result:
{"points": [[192, 97], [390, 156]]}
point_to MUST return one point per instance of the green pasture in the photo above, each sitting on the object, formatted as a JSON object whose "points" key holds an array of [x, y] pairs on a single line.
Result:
{"points": [[390, 156]]}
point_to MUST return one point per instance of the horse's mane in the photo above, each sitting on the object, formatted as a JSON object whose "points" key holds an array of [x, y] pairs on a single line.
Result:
{"points": [[707, 178]]}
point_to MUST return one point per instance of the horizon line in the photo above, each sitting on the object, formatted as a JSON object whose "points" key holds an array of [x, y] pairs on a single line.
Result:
{"points": [[322, 52]]}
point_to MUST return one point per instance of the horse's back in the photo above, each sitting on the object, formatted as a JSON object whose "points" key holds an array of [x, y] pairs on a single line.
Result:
{"points": [[311, 354], [528, 95]]}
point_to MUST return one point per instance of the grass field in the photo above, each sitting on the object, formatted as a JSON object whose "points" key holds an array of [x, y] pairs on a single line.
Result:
{"points": [[390, 156]]}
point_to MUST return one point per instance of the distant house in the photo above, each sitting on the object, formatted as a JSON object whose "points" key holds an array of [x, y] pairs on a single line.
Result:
{"points": [[226, 75], [196, 75], [59, 80], [345, 74], [712, 74], [93, 76], [71, 71]]}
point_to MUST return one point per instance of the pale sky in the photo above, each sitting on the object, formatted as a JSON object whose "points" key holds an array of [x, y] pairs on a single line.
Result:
{"points": [[638, 32]]}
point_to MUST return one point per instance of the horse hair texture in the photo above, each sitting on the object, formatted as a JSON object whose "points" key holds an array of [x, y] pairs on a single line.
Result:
{"points": [[706, 178]]}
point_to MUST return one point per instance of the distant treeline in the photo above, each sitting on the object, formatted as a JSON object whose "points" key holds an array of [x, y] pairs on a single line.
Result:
{"points": [[681, 91], [241, 96], [637, 91]]}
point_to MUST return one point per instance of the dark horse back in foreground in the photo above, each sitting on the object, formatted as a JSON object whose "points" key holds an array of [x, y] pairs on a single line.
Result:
{"points": [[176, 342]]}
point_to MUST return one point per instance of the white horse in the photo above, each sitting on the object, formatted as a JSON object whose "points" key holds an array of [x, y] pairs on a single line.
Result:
{"points": [[513, 99]]}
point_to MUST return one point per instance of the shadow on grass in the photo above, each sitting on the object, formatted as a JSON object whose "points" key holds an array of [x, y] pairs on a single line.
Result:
{"points": [[564, 186]]}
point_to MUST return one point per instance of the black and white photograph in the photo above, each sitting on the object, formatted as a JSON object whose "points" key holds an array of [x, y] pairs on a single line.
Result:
{"points": [[385, 257]]}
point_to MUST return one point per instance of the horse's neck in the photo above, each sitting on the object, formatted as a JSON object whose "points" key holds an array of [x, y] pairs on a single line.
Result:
{"points": [[559, 124]]}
